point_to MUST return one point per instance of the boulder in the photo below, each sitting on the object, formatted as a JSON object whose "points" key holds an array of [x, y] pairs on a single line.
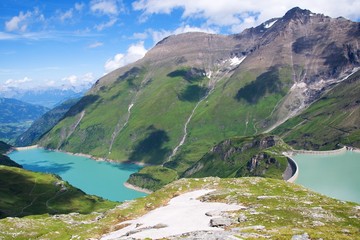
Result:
{"points": [[220, 222]]}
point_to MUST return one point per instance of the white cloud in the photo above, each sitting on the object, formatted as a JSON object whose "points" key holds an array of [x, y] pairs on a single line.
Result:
{"points": [[23, 20], [158, 35], [107, 24], [50, 83], [79, 6], [96, 45], [18, 22], [17, 83], [66, 15], [245, 13], [134, 52], [88, 77], [74, 80], [7, 36], [141, 36], [106, 7]]}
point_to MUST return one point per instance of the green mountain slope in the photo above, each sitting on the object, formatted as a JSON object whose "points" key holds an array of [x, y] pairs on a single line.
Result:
{"points": [[273, 209], [243, 157], [330, 122], [194, 90], [5, 160], [44, 124], [16, 116], [4, 147], [24, 193]]}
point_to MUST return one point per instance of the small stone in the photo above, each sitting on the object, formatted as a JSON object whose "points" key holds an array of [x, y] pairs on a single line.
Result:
{"points": [[265, 197], [220, 222], [318, 224], [304, 236], [213, 213], [255, 227], [160, 225], [242, 218]]}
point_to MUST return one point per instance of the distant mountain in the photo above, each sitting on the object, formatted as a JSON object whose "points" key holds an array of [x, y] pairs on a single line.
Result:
{"points": [[48, 97], [16, 116], [194, 90], [44, 124]]}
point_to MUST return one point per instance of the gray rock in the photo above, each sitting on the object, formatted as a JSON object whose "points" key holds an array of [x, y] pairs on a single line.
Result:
{"points": [[213, 213], [205, 235], [318, 224], [255, 227], [242, 218], [304, 236], [160, 225], [220, 222], [265, 197]]}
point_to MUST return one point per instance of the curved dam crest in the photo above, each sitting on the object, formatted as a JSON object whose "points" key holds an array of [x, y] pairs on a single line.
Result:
{"points": [[101, 178]]}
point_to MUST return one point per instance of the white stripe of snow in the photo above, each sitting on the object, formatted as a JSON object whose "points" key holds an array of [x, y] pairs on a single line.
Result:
{"points": [[269, 25], [183, 214], [236, 61]]}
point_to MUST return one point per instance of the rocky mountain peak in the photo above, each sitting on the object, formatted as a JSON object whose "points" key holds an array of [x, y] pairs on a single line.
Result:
{"points": [[296, 13]]}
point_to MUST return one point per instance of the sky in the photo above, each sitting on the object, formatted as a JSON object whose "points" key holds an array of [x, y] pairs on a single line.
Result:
{"points": [[47, 43]]}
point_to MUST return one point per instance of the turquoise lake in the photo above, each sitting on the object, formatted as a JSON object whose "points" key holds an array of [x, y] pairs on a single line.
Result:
{"points": [[99, 178], [336, 175]]}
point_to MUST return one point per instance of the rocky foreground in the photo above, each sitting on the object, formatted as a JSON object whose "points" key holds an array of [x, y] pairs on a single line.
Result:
{"points": [[261, 209]]}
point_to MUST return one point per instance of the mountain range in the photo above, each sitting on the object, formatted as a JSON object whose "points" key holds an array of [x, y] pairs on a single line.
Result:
{"points": [[16, 116], [200, 105], [43, 124], [48, 97], [194, 90]]}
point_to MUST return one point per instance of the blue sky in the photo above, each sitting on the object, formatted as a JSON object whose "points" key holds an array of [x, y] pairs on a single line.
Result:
{"points": [[62, 42]]}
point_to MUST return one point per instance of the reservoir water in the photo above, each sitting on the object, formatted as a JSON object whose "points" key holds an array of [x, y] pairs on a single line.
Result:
{"points": [[99, 178], [335, 175]]}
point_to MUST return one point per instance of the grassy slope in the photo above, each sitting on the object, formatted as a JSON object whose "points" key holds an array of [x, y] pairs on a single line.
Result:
{"points": [[4, 147], [225, 114], [162, 106], [290, 210], [25, 193], [153, 177], [332, 120], [232, 158], [157, 111], [5, 160]]}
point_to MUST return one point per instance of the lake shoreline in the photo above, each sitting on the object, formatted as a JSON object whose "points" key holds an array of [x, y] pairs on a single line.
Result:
{"points": [[141, 164], [92, 177], [136, 188], [126, 184]]}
